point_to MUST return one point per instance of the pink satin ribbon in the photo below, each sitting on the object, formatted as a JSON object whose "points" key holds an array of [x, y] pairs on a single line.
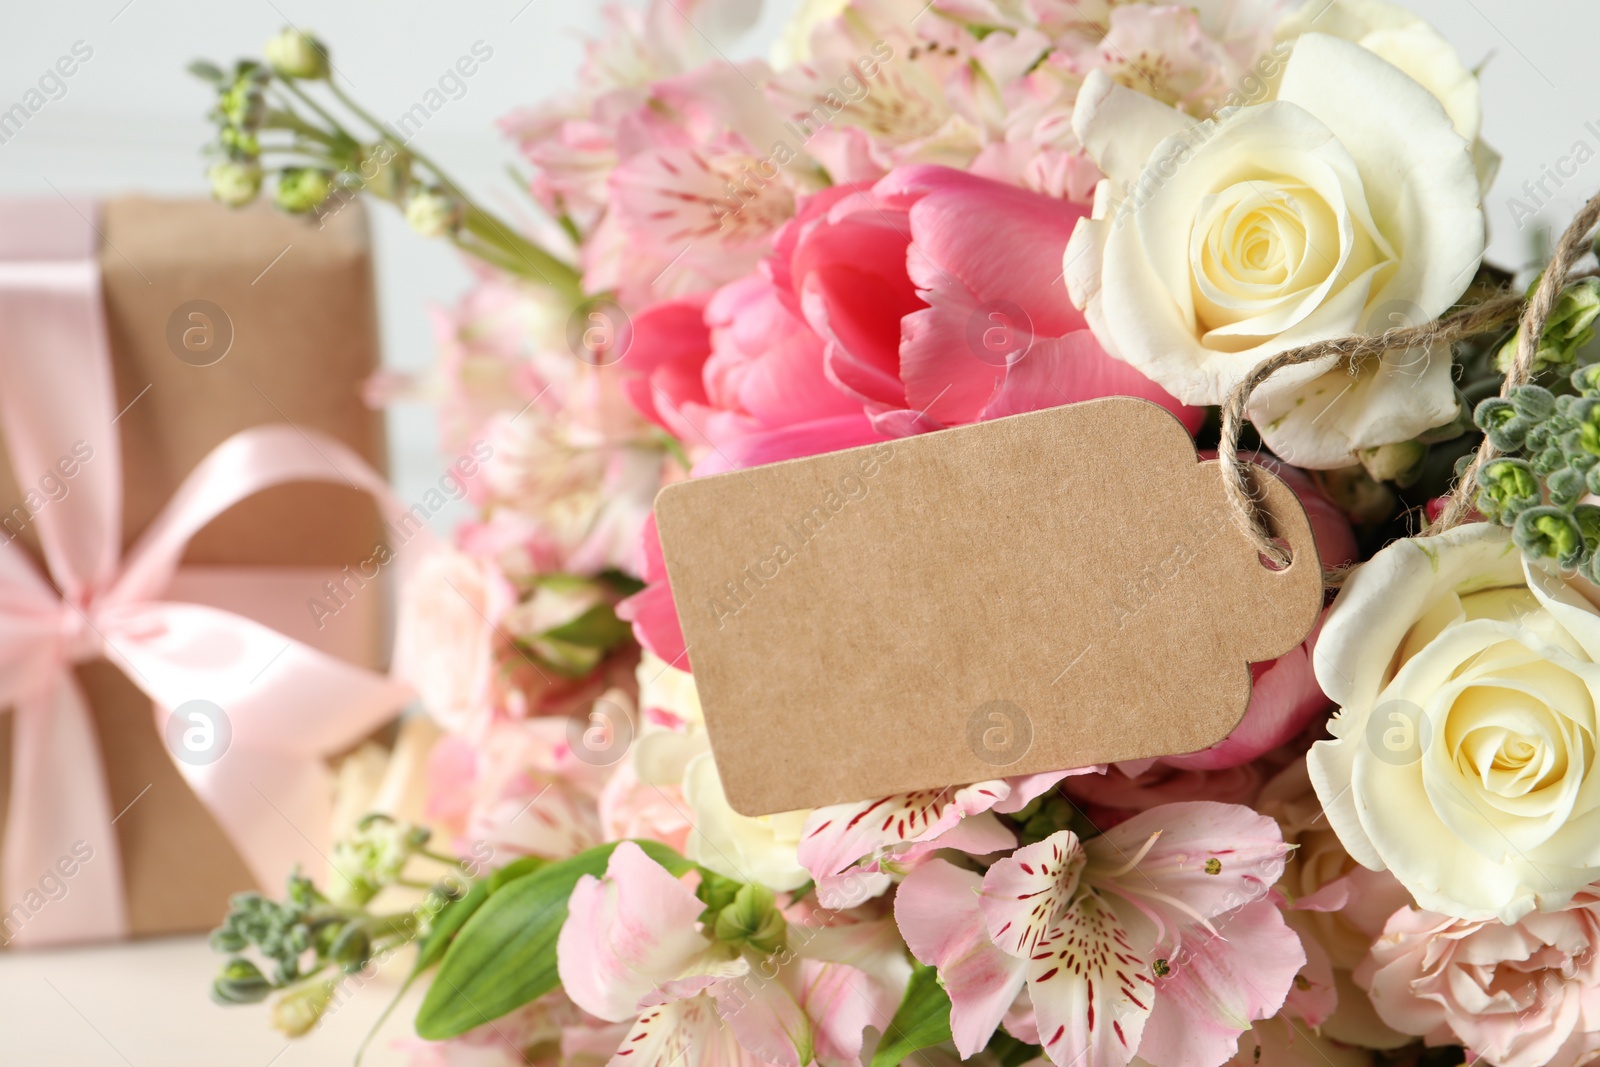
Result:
{"points": [[289, 704]]}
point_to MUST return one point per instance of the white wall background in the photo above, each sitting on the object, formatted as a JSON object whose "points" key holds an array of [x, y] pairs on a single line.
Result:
{"points": [[132, 119]]}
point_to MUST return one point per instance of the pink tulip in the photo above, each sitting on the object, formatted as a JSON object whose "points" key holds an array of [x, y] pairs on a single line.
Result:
{"points": [[941, 298]]}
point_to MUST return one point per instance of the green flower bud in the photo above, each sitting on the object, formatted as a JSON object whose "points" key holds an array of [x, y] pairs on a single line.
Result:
{"points": [[226, 939], [1507, 487], [1399, 462], [1586, 413], [1548, 532], [239, 144], [1550, 460], [1499, 418], [352, 948], [298, 1010], [235, 184], [303, 189], [1570, 327], [716, 891], [1539, 437], [241, 982], [752, 919], [1566, 486], [243, 102], [294, 54], [433, 212], [1564, 403], [1587, 516], [372, 858], [1587, 379], [1534, 401]]}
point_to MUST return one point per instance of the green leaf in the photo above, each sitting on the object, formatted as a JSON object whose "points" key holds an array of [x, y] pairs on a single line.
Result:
{"points": [[446, 924], [922, 1020], [598, 627], [621, 582], [517, 868], [505, 955]]}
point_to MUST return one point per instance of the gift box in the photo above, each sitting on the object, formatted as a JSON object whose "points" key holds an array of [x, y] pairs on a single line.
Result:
{"points": [[216, 322]]}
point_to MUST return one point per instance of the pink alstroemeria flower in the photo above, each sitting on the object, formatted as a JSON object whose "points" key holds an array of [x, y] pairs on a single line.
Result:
{"points": [[1157, 938], [631, 949], [852, 849]]}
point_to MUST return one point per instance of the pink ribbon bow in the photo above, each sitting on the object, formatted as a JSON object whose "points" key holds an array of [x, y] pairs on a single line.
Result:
{"points": [[288, 704]]}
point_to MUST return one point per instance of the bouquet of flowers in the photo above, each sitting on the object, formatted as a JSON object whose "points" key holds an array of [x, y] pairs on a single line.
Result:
{"points": [[1266, 217]]}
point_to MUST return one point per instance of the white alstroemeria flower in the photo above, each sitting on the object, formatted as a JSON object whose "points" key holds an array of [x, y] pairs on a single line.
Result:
{"points": [[1348, 205], [1464, 751]]}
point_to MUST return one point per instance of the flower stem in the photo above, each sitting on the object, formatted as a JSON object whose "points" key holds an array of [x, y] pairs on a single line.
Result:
{"points": [[511, 252]]}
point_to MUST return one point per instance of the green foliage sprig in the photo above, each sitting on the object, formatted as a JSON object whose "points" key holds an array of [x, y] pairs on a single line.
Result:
{"points": [[286, 118], [1550, 461]]}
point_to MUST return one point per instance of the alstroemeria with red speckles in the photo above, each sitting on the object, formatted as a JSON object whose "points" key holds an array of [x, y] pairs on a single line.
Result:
{"points": [[1157, 938], [852, 849]]}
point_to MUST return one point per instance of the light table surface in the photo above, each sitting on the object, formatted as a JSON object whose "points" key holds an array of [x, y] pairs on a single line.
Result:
{"points": [[147, 1004]]}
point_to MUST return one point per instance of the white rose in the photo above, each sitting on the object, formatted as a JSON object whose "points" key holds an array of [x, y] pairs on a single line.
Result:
{"points": [[672, 750], [1419, 50], [1465, 744], [763, 849], [1348, 205]]}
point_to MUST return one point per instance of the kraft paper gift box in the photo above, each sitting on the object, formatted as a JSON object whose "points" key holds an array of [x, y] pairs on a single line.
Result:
{"points": [[217, 321]]}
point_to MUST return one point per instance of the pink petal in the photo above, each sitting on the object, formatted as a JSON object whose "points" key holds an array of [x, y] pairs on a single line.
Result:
{"points": [[655, 623], [682, 1032], [1207, 858], [977, 835], [839, 1000], [766, 1016], [938, 912], [662, 367], [988, 238], [766, 362], [834, 839], [626, 934], [1024, 893], [1218, 986], [1074, 368], [1284, 699], [790, 442]]}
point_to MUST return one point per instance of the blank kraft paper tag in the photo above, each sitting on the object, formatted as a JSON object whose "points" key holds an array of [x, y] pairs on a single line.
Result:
{"points": [[1051, 590]]}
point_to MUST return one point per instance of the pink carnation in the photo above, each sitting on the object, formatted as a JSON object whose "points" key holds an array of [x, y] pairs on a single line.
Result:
{"points": [[1518, 996]]}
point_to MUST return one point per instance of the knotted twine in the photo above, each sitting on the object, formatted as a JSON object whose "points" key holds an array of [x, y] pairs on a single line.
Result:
{"points": [[1532, 313]]}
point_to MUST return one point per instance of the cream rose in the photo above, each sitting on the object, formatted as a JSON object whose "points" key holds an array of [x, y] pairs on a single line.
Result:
{"points": [[672, 751], [1420, 51], [1348, 205], [1468, 683]]}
